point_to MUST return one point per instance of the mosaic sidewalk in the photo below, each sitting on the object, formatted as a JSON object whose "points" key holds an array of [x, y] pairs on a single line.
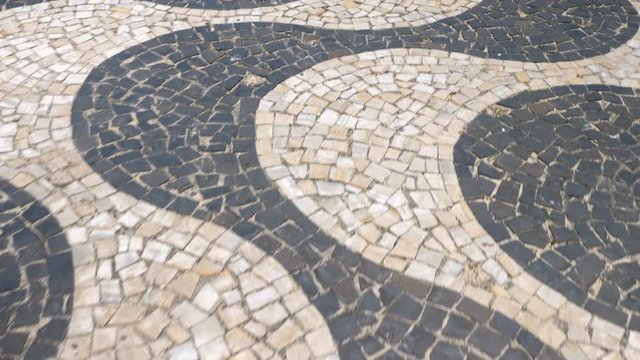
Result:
{"points": [[319, 179]]}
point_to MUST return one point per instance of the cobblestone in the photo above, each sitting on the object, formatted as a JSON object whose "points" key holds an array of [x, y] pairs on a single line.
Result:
{"points": [[240, 180]]}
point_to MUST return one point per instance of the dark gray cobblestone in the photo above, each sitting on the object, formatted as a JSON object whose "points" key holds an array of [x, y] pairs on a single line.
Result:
{"points": [[36, 278], [555, 180]]}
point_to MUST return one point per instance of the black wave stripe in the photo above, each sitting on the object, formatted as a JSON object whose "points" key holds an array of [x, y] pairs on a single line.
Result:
{"points": [[194, 4], [554, 177], [221, 4], [178, 92], [535, 30], [36, 278], [172, 122]]}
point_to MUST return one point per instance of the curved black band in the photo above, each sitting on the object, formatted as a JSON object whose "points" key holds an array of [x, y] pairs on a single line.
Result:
{"points": [[36, 278], [555, 179]]}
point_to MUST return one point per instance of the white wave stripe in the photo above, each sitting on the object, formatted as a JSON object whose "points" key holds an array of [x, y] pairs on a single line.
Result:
{"points": [[153, 284], [363, 145]]}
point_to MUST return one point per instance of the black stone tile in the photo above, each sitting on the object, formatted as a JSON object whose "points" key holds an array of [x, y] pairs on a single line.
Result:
{"points": [[369, 302], [444, 350], [13, 343], [329, 274], [515, 354], [344, 327], [370, 345], [327, 304], [458, 327], [392, 330], [432, 318], [351, 350], [474, 310], [406, 308], [346, 290], [417, 342], [488, 341], [443, 297]]}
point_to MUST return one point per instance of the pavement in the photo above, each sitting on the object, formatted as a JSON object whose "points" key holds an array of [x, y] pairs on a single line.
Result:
{"points": [[319, 179]]}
